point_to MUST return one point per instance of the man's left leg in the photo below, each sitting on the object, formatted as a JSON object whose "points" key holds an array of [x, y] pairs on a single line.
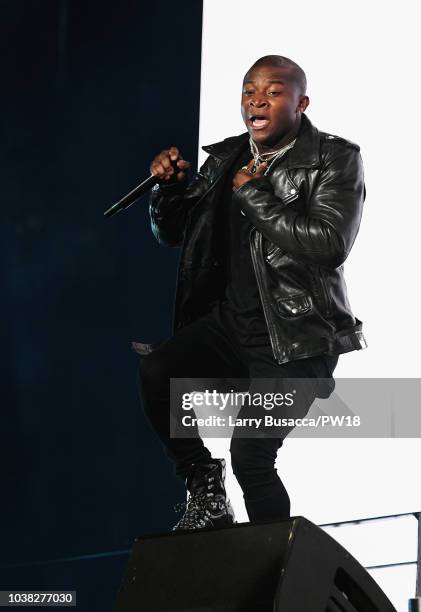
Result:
{"points": [[253, 464], [253, 458]]}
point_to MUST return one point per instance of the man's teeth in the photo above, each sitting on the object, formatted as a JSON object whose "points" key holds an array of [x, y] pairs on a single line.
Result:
{"points": [[259, 122]]}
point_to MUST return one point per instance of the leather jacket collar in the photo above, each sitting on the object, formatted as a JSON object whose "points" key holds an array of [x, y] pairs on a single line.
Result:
{"points": [[304, 154]]}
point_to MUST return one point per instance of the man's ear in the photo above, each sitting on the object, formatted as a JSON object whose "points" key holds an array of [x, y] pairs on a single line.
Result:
{"points": [[303, 103]]}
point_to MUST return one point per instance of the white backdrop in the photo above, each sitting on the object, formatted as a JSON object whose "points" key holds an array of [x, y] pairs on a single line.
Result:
{"points": [[361, 64]]}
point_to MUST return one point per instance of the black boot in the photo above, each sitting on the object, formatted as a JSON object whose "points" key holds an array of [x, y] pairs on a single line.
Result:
{"points": [[207, 504]]}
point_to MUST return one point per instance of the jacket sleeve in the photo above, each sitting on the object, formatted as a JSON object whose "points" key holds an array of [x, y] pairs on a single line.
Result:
{"points": [[170, 204], [325, 233]]}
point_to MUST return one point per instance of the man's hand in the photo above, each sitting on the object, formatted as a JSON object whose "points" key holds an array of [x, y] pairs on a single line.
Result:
{"points": [[162, 165], [244, 174]]}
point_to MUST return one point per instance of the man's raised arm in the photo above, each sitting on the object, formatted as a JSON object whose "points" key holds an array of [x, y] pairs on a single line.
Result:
{"points": [[174, 196]]}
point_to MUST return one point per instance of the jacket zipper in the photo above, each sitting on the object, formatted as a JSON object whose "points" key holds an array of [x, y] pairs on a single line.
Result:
{"points": [[272, 253], [266, 307], [324, 291]]}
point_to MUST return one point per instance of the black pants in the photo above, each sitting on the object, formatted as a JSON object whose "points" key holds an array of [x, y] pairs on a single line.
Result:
{"points": [[204, 350]]}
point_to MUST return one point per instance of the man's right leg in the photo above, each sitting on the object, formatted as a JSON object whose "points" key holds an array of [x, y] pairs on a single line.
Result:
{"points": [[199, 350]]}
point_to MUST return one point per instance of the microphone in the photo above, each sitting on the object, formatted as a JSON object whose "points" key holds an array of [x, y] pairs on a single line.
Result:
{"points": [[136, 193]]}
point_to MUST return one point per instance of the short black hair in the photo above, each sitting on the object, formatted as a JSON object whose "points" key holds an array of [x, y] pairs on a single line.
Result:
{"points": [[297, 73]]}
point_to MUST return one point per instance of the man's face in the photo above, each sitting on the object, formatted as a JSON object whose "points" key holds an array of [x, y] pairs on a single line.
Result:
{"points": [[269, 103]]}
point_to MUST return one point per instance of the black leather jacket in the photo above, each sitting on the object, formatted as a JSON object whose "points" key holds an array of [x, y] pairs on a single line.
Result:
{"points": [[305, 215]]}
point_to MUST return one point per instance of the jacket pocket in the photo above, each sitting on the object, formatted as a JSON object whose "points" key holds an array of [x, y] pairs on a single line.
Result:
{"points": [[295, 305]]}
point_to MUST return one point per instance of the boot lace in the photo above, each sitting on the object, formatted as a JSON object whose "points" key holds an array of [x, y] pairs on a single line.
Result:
{"points": [[195, 510], [197, 507]]}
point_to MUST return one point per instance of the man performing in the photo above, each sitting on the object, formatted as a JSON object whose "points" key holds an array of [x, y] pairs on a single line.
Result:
{"points": [[264, 228]]}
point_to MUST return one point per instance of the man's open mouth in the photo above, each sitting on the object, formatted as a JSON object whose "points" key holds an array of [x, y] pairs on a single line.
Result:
{"points": [[258, 122]]}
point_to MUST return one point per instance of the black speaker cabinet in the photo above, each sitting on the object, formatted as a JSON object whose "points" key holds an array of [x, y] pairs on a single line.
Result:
{"points": [[282, 566]]}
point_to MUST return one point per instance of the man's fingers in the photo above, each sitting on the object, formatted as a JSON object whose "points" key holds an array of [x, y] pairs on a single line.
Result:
{"points": [[260, 169], [157, 169], [183, 163], [163, 164], [165, 159], [173, 153]]}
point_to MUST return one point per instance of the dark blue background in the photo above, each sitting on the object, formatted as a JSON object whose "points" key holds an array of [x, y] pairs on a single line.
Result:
{"points": [[91, 91]]}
